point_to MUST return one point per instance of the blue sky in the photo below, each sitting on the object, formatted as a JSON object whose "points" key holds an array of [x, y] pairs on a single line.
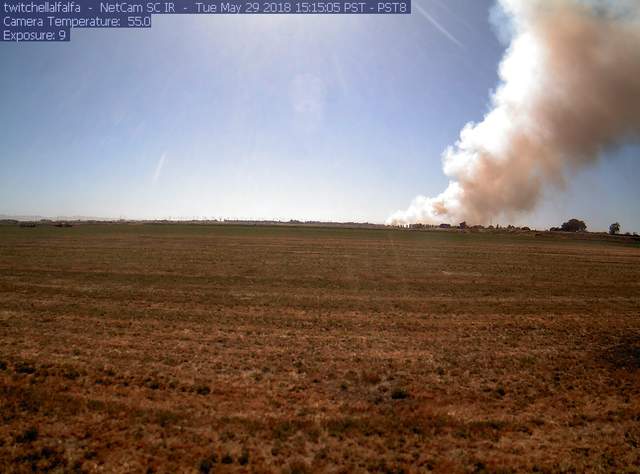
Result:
{"points": [[285, 117]]}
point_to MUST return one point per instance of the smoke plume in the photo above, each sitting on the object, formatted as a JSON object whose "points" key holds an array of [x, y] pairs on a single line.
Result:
{"points": [[570, 88]]}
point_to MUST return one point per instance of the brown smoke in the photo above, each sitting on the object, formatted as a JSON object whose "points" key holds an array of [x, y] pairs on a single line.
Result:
{"points": [[570, 89]]}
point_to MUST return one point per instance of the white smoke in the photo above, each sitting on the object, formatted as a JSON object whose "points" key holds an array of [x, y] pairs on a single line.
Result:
{"points": [[570, 88]]}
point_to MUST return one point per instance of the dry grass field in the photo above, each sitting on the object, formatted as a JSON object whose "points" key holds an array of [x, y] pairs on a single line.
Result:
{"points": [[187, 348]]}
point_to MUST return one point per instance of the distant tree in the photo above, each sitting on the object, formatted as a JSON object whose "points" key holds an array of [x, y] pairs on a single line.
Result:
{"points": [[574, 225], [614, 228], [463, 225]]}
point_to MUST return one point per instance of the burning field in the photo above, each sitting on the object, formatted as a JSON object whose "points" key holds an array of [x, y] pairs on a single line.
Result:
{"points": [[171, 348]]}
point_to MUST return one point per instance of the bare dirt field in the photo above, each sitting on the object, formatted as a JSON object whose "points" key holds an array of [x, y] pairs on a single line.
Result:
{"points": [[187, 348]]}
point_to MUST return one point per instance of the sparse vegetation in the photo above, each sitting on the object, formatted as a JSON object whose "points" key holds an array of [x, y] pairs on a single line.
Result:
{"points": [[177, 348]]}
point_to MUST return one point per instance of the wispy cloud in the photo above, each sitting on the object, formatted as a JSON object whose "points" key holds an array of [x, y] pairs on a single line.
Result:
{"points": [[159, 166], [437, 25]]}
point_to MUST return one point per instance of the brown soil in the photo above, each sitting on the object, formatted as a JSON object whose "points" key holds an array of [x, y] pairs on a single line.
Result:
{"points": [[262, 349]]}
